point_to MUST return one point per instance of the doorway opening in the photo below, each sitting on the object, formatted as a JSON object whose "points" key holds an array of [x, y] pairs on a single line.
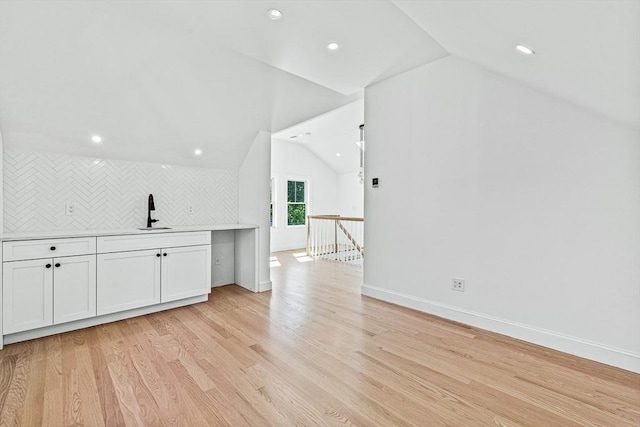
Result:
{"points": [[317, 190]]}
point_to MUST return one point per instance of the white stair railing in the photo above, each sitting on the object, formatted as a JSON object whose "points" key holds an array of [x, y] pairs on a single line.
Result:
{"points": [[336, 238]]}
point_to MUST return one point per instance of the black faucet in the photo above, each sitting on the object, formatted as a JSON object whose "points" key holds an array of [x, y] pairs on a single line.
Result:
{"points": [[152, 207]]}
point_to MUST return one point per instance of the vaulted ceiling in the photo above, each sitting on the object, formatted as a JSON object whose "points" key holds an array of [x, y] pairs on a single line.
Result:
{"points": [[158, 79], [587, 52], [332, 136]]}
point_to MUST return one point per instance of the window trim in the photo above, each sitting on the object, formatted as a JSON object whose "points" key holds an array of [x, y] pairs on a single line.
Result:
{"points": [[307, 189], [273, 201]]}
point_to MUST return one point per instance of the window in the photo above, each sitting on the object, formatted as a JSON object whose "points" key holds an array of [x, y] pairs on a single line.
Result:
{"points": [[296, 203], [271, 216]]}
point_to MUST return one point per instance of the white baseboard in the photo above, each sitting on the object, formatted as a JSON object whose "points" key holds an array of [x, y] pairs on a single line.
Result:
{"points": [[218, 285], [568, 344], [265, 286]]}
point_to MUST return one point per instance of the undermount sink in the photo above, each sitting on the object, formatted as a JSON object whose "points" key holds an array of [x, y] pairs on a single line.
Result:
{"points": [[154, 228]]}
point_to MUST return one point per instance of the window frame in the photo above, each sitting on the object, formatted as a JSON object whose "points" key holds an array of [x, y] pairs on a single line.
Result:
{"points": [[273, 202], [307, 188]]}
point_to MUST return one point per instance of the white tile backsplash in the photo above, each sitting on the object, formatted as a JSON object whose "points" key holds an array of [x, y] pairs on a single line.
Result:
{"points": [[111, 193]]}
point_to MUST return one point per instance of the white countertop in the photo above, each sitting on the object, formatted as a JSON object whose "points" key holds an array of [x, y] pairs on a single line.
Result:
{"points": [[61, 234]]}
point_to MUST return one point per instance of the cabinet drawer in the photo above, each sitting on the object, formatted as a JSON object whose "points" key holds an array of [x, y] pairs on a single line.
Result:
{"points": [[50, 248], [138, 242]]}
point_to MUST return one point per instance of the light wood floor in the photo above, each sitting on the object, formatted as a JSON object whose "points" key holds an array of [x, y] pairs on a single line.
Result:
{"points": [[312, 352]]}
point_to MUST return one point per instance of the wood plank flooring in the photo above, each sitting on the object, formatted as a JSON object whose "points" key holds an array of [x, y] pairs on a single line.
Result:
{"points": [[312, 352]]}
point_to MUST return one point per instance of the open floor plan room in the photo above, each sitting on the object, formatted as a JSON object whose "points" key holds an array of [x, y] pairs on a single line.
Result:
{"points": [[320, 213]]}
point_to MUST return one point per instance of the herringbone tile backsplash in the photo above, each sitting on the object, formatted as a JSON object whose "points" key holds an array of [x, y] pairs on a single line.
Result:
{"points": [[111, 194]]}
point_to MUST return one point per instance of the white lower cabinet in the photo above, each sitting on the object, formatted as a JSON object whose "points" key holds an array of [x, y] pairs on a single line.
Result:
{"points": [[44, 292], [27, 292], [134, 279], [48, 282], [74, 288], [186, 272], [128, 280]]}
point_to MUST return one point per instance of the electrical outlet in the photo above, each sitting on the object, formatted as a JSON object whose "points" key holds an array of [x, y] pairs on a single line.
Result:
{"points": [[457, 284], [218, 259], [190, 209], [70, 208]]}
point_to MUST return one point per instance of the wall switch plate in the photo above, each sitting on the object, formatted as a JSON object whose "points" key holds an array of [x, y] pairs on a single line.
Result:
{"points": [[374, 182], [457, 284], [218, 260], [190, 209], [70, 208]]}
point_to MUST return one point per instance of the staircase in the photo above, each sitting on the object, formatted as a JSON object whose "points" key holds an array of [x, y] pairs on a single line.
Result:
{"points": [[336, 238]]}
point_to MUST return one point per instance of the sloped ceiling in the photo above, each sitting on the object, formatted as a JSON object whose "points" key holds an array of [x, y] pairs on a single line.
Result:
{"points": [[377, 39], [158, 79], [587, 52], [335, 132]]}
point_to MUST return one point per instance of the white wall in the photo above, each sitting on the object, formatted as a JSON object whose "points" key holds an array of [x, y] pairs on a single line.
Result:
{"points": [[110, 194], [350, 195], [1, 186], [533, 201], [254, 176], [1, 228], [222, 248], [294, 161]]}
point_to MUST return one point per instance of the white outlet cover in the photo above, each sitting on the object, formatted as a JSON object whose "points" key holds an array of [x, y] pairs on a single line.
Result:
{"points": [[70, 208]]}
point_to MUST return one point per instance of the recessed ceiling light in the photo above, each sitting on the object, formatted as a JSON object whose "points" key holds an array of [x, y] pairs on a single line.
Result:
{"points": [[337, 154], [300, 135], [333, 46], [274, 14], [96, 139], [525, 50], [197, 152]]}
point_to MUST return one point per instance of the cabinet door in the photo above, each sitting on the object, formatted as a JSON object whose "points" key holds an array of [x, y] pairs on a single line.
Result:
{"points": [[186, 272], [128, 280], [27, 295], [74, 288]]}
